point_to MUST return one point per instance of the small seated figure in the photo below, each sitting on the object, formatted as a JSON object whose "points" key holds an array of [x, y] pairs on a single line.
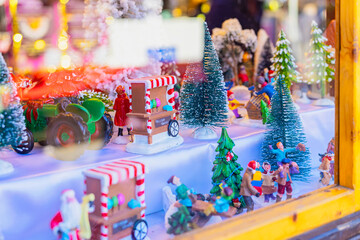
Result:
{"points": [[182, 192], [222, 204], [264, 87]]}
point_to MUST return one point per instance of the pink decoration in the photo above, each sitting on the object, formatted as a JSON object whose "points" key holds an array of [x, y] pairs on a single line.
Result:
{"points": [[121, 199], [158, 102]]}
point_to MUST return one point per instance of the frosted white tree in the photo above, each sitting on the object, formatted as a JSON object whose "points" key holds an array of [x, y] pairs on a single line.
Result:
{"points": [[231, 41], [319, 60]]}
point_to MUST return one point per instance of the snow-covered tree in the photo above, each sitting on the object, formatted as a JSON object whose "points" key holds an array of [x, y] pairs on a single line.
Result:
{"points": [[97, 12], [284, 66], [264, 53], [12, 120], [230, 42], [319, 60], [203, 96]]}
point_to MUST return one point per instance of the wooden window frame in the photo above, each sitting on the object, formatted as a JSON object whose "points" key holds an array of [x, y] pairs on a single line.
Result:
{"points": [[293, 217]]}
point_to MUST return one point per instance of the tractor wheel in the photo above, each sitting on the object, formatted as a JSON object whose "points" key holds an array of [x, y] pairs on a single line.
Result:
{"points": [[26, 145], [103, 132], [67, 129]]}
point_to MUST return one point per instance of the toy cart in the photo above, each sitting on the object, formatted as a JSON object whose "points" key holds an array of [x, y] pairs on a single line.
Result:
{"points": [[253, 106], [119, 200], [152, 113]]}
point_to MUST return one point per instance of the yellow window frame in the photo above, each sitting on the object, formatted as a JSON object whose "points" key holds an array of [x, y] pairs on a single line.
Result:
{"points": [[296, 216]]}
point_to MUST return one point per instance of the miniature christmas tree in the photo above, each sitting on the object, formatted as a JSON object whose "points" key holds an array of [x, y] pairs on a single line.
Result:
{"points": [[265, 57], [264, 111], [226, 169], [12, 120], [191, 95], [180, 221], [285, 126], [203, 98], [320, 58], [283, 61]]}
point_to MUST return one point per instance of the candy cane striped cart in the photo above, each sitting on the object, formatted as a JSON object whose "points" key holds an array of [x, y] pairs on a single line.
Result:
{"points": [[119, 206], [152, 115]]}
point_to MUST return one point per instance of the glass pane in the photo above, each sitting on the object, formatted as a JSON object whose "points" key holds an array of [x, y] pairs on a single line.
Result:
{"points": [[229, 106]]}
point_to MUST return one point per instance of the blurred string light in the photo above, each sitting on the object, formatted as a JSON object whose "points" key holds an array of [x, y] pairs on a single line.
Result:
{"points": [[65, 61], [39, 44], [177, 12], [166, 14], [201, 16], [109, 20], [205, 8], [274, 5], [63, 40], [17, 38]]}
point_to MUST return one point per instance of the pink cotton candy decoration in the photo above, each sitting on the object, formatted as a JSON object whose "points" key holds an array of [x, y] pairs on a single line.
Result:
{"points": [[121, 199], [158, 102]]}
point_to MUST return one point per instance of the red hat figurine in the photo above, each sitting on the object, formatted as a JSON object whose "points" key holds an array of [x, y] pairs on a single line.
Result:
{"points": [[253, 165], [229, 93]]}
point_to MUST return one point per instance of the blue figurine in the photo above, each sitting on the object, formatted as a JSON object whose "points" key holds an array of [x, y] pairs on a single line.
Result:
{"points": [[265, 87]]}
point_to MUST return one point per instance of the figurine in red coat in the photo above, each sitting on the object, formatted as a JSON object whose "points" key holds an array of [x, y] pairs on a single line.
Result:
{"points": [[121, 107]]}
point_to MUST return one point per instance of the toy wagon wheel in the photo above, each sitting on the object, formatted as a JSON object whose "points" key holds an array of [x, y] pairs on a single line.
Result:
{"points": [[140, 230], [66, 130], [103, 132], [173, 128], [26, 145]]}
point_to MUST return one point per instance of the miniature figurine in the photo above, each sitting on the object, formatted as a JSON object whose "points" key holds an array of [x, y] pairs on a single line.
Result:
{"points": [[243, 76], [246, 189], [324, 168], [222, 204], [257, 181], [264, 87], [234, 104], [182, 192], [268, 185], [286, 168], [281, 151], [268, 75], [121, 107], [72, 221], [331, 146], [180, 221]]}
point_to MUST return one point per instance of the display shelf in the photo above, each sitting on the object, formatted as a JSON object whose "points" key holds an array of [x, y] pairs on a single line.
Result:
{"points": [[31, 195]]}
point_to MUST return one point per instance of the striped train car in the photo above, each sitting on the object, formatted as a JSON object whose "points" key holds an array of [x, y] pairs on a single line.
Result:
{"points": [[119, 206]]}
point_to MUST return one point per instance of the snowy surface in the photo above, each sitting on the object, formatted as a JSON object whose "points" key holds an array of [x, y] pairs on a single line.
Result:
{"points": [[324, 102], [5, 168], [121, 140], [204, 133], [158, 227], [31, 194], [141, 147]]}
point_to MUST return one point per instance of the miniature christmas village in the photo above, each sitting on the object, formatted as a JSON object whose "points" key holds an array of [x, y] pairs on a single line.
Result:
{"points": [[96, 120]]}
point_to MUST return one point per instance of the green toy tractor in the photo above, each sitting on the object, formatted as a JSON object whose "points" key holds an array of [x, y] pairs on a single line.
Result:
{"points": [[66, 124]]}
